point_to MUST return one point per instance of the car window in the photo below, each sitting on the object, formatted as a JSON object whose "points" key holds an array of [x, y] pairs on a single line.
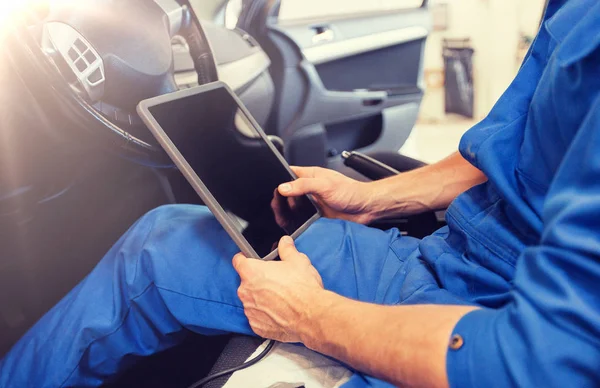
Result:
{"points": [[308, 9]]}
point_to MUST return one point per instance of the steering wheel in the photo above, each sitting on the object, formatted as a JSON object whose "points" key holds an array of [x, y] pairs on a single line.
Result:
{"points": [[91, 62]]}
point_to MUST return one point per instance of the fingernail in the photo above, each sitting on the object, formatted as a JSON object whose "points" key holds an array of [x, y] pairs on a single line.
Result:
{"points": [[285, 188], [287, 240]]}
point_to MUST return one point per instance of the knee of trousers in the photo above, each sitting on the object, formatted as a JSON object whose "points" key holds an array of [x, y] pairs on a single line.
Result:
{"points": [[165, 239], [175, 244]]}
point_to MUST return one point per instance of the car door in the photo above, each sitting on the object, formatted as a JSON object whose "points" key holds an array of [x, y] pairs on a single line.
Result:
{"points": [[348, 73]]}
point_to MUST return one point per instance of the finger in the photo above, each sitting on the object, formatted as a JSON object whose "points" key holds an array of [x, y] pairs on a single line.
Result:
{"points": [[287, 249], [276, 206], [293, 203], [245, 267], [238, 261], [281, 210], [302, 186], [305, 172]]}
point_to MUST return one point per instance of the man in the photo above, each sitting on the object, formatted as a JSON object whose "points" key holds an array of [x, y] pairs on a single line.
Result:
{"points": [[506, 295]]}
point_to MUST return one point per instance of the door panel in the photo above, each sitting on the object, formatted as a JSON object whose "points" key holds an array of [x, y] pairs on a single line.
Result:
{"points": [[323, 41], [325, 106], [371, 70], [333, 49]]}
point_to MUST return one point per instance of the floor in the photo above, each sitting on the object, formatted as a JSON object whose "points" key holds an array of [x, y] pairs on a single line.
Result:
{"points": [[431, 142]]}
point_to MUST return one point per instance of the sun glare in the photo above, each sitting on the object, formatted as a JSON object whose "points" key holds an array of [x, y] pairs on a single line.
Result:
{"points": [[12, 10]]}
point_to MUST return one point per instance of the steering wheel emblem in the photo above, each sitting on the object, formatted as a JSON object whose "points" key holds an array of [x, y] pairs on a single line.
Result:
{"points": [[78, 53]]}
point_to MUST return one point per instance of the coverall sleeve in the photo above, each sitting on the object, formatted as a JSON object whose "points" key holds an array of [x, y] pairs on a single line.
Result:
{"points": [[550, 334]]}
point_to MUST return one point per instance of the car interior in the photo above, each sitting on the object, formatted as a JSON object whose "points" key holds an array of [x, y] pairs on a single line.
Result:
{"points": [[325, 84], [78, 167]]}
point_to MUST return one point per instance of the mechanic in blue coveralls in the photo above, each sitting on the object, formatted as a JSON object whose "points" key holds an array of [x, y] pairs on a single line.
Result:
{"points": [[508, 294]]}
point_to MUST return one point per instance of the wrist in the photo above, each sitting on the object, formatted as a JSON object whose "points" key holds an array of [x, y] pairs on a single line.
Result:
{"points": [[318, 305], [404, 195], [376, 198]]}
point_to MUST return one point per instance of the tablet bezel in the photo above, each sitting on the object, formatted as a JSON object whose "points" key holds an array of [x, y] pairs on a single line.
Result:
{"points": [[188, 172]]}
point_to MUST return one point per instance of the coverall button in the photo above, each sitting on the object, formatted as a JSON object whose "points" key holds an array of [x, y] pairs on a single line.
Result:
{"points": [[456, 342]]}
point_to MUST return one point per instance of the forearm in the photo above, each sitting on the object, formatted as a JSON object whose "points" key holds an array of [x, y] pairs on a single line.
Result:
{"points": [[428, 188], [405, 345]]}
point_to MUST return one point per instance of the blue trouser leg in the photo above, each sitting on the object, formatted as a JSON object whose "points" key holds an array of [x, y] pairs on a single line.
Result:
{"points": [[172, 271]]}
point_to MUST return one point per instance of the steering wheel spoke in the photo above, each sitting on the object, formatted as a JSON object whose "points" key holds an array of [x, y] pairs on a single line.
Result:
{"points": [[175, 13]]}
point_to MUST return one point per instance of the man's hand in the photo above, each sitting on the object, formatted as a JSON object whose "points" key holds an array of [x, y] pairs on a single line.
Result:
{"points": [[277, 295], [286, 301], [337, 195], [428, 188]]}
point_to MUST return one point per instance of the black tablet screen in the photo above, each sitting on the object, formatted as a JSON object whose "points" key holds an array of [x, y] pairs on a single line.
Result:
{"points": [[236, 165]]}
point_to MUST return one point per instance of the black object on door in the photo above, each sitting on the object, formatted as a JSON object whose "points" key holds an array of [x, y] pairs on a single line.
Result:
{"points": [[458, 72]]}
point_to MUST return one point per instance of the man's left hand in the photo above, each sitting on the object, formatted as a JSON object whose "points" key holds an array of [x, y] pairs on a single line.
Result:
{"points": [[277, 296]]}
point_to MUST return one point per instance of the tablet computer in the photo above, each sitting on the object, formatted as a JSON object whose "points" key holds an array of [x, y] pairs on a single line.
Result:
{"points": [[231, 164]]}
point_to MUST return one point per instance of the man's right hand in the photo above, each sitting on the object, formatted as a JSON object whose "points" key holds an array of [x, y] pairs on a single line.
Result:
{"points": [[337, 195]]}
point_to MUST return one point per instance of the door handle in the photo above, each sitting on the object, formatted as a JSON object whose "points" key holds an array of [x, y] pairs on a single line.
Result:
{"points": [[322, 34]]}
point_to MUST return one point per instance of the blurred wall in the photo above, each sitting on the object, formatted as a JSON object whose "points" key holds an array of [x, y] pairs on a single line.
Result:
{"points": [[496, 28]]}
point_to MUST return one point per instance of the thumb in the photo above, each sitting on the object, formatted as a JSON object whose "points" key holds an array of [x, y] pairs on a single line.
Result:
{"points": [[238, 261], [302, 186], [245, 267], [287, 249]]}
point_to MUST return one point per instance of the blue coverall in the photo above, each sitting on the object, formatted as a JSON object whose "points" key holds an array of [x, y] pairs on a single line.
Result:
{"points": [[525, 246]]}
